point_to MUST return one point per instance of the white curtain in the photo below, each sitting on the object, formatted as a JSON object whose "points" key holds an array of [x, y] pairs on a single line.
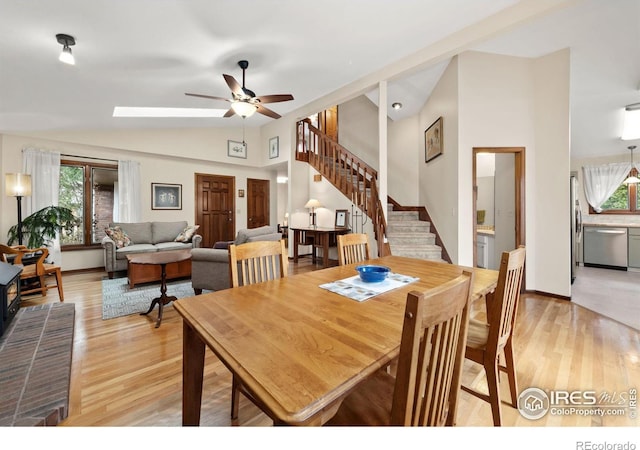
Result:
{"points": [[44, 167], [129, 203], [600, 182]]}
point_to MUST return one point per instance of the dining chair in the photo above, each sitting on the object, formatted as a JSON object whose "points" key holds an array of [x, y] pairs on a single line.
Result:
{"points": [[429, 364], [487, 341], [37, 272], [250, 263], [353, 248]]}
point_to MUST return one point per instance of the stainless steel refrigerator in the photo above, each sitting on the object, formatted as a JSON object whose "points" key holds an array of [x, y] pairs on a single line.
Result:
{"points": [[576, 225]]}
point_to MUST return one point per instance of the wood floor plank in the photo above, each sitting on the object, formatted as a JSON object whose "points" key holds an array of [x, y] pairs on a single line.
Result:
{"points": [[125, 372]]}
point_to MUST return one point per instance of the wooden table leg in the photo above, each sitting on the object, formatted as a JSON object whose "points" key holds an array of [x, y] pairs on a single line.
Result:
{"points": [[296, 242], [163, 299], [325, 249], [192, 375]]}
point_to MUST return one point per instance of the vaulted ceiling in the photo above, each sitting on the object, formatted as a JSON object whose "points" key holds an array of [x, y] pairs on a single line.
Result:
{"points": [[150, 52]]}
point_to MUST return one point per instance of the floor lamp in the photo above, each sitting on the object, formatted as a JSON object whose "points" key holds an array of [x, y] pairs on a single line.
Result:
{"points": [[18, 185]]}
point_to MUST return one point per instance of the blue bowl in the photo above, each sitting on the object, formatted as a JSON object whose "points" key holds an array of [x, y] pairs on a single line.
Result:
{"points": [[373, 274]]}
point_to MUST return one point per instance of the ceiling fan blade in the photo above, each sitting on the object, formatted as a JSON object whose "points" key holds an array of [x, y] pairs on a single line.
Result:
{"points": [[233, 85], [207, 96], [229, 113], [274, 98], [267, 112]]}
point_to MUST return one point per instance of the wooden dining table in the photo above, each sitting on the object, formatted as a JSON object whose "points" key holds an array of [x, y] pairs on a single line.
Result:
{"points": [[298, 348]]}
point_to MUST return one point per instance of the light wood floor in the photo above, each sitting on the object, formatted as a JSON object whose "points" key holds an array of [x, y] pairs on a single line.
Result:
{"points": [[125, 372]]}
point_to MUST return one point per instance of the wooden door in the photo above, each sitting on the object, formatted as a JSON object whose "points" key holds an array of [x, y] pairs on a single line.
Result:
{"points": [[328, 122], [215, 206], [257, 203]]}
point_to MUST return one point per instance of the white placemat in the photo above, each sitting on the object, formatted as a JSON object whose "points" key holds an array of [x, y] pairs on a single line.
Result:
{"points": [[356, 289]]}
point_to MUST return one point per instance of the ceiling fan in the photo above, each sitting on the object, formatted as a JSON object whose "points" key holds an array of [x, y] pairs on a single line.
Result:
{"points": [[244, 102]]}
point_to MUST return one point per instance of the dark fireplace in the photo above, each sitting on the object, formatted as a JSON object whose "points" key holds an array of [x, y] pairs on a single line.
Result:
{"points": [[9, 293]]}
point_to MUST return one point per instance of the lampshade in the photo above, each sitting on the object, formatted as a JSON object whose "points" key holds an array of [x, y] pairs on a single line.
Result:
{"points": [[243, 109], [631, 128], [17, 184], [313, 203], [66, 56]]}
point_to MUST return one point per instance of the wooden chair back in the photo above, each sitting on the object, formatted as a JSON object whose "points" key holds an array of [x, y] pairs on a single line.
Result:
{"points": [[38, 270], [501, 314], [431, 353], [353, 248], [255, 262]]}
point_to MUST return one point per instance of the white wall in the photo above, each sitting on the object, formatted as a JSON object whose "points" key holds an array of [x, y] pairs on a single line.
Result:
{"points": [[438, 179], [404, 144], [520, 102]]}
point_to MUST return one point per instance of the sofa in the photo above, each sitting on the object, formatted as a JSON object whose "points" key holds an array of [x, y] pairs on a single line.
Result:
{"points": [[124, 239], [210, 266]]}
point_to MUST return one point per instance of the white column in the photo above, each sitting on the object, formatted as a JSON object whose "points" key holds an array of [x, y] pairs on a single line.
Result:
{"points": [[382, 145]]}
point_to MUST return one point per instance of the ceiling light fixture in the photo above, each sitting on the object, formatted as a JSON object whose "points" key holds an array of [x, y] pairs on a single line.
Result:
{"points": [[66, 56], [243, 109], [631, 128], [632, 178], [397, 105]]}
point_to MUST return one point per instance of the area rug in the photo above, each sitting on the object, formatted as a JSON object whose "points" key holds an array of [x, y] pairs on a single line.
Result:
{"points": [[118, 300], [35, 365]]}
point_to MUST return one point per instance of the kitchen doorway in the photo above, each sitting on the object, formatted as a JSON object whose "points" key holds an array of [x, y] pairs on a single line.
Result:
{"points": [[498, 203]]}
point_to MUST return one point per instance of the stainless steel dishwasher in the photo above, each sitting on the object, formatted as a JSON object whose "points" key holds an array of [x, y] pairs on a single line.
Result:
{"points": [[605, 246]]}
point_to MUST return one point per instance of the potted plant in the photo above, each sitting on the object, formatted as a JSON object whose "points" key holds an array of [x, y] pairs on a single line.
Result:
{"points": [[41, 227]]}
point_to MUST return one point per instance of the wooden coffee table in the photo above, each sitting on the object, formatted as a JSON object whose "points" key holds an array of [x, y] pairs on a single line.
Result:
{"points": [[161, 260]]}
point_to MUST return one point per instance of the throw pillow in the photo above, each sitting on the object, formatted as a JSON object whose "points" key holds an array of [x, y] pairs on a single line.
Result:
{"points": [[119, 236], [186, 234]]}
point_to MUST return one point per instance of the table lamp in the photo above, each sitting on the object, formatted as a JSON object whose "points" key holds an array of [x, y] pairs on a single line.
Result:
{"points": [[313, 204]]}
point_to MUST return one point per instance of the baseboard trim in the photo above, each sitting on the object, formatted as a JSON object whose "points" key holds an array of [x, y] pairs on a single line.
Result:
{"points": [[548, 294]]}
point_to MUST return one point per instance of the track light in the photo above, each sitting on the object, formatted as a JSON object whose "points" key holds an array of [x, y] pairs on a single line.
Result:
{"points": [[67, 41]]}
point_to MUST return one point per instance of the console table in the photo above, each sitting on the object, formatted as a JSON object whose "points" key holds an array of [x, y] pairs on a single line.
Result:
{"points": [[317, 237]]}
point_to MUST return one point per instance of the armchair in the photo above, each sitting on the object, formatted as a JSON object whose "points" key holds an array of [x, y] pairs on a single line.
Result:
{"points": [[210, 266], [36, 272]]}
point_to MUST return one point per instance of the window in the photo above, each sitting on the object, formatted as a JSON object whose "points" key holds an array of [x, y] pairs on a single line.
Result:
{"points": [[625, 200], [88, 190]]}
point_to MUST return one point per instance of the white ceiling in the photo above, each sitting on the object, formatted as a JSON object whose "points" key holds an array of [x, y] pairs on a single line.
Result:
{"points": [[150, 52]]}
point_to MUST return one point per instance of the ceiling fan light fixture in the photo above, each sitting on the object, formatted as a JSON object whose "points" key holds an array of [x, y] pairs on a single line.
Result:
{"points": [[631, 128], [243, 109], [66, 56]]}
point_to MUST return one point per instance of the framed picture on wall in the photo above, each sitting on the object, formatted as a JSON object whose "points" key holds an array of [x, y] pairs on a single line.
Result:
{"points": [[236, 149], [342, 216], [166, 196], [274, 150], [433, 140]]}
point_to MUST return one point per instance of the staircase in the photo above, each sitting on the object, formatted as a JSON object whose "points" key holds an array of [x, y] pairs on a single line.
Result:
{"points": [[410, 236], [407, 233]]}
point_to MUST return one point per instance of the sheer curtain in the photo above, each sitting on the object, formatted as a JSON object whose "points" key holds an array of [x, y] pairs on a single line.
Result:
{"points": [[602, 181], [44, 167], [129, 204]]}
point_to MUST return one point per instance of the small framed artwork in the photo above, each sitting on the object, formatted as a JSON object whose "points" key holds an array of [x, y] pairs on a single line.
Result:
{"points": [[240, 192], [236, 149], [342, 216], [166, 196], [433, 140], [274, 150]]}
